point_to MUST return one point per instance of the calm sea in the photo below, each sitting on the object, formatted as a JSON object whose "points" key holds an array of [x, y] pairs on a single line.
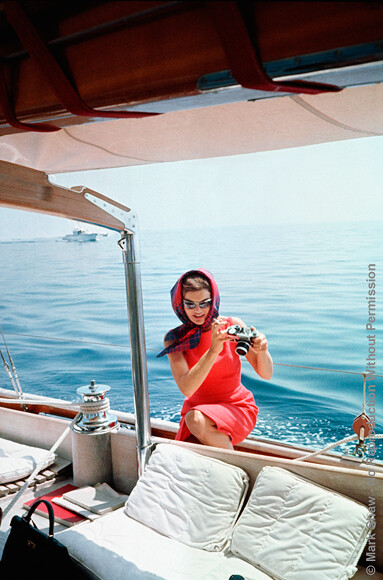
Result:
{"points": [[63, 311]]}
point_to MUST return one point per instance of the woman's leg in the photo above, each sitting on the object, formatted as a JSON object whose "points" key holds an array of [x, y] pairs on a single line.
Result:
{"points": [[206, 430]]}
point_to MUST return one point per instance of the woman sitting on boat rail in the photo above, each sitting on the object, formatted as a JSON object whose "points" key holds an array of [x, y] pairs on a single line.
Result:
{"points": [[218, 410]]}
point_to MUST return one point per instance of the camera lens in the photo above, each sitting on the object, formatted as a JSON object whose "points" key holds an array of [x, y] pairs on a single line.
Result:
{"points": [[242, 347]]}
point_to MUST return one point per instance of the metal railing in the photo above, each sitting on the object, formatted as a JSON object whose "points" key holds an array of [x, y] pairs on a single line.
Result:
{"points": [[360, 436]]}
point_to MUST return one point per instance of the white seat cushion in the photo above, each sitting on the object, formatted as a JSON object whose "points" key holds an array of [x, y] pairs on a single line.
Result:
{"points": [[18, 461], [116, 547], [292, 528], [189, 497]]}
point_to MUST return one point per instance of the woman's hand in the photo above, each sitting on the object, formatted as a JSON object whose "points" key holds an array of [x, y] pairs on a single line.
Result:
{"points": [[260, 343], [219, 335], [259, 356]]}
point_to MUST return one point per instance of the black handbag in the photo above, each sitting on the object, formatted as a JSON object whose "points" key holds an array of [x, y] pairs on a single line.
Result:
{"points": [[30, 551]]}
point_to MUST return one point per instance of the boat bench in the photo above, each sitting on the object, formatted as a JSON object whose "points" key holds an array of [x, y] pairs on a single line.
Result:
{"points": [[17, 461], [187, 518]]}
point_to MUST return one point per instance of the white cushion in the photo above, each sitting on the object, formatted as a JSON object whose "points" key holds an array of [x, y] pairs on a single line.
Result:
{"points": [[116, 547], [189, 497], [18, 461], [292, 528]]}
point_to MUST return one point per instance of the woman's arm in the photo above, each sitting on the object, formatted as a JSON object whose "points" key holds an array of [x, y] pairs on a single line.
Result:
{"points": [[258, 355], [189, 380]]}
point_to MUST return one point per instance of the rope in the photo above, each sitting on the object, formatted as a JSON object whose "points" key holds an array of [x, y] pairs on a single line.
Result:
{"points": [[103, 405], [126, 347], [14, 378], [75, 341], [38, 468], [95, 407], [323, 369], [84, 406], [345, 440], [6, 366]]}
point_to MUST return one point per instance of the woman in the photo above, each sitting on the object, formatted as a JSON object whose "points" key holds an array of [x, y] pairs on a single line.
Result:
{"points": [[218, 409]]}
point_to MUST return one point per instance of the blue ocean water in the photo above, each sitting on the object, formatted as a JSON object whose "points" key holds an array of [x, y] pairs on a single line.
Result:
{"points": [[63, 311]]}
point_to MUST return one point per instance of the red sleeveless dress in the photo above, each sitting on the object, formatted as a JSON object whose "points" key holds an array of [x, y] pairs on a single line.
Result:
{"points": [[221, 396]]}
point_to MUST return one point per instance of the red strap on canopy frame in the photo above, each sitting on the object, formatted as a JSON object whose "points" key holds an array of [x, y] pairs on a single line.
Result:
{"points": [[243, 57], [54, 75]]}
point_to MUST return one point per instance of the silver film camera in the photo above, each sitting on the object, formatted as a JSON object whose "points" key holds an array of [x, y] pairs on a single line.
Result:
{"points": [[244, 337]]}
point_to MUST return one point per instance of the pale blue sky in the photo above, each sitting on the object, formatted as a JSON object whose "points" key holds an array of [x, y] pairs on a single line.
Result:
{"points": [[332, 182]]}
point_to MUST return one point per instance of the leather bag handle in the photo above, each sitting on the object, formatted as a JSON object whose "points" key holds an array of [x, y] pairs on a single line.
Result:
{"points": [[50, 513]]}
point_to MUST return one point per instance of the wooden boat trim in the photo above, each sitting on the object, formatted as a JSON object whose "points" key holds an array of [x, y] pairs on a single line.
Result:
{"points": [[29, 189], [161, 429], [161, 50]]}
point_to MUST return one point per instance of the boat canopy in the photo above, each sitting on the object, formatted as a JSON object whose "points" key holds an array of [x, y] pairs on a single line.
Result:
{"points": [[100, 84]]}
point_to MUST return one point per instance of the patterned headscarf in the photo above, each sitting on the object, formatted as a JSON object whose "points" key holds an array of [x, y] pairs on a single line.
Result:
{"points": [[187, 336]]}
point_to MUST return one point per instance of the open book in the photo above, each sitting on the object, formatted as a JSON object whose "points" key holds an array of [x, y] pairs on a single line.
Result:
{"points": [[98, 499]]}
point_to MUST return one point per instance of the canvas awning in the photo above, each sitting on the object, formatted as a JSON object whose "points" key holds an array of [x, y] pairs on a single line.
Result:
{"points": [[229, 129]]}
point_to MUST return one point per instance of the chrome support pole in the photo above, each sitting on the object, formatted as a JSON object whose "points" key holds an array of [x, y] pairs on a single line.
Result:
{"points": [[129, 246]]}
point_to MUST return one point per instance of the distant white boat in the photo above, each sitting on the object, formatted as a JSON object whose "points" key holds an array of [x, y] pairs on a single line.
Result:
{"points": [[80, 235]]}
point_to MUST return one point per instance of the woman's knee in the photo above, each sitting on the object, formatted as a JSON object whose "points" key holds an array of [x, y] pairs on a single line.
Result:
{"points": [[197, 421], [204, 428]]}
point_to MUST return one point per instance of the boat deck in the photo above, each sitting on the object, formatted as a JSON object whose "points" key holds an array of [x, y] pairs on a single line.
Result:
{"points": [[348, 476], [41, 522]]}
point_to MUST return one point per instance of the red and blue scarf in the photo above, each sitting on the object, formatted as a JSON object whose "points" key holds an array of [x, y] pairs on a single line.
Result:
{"points": [[188, 335]]}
